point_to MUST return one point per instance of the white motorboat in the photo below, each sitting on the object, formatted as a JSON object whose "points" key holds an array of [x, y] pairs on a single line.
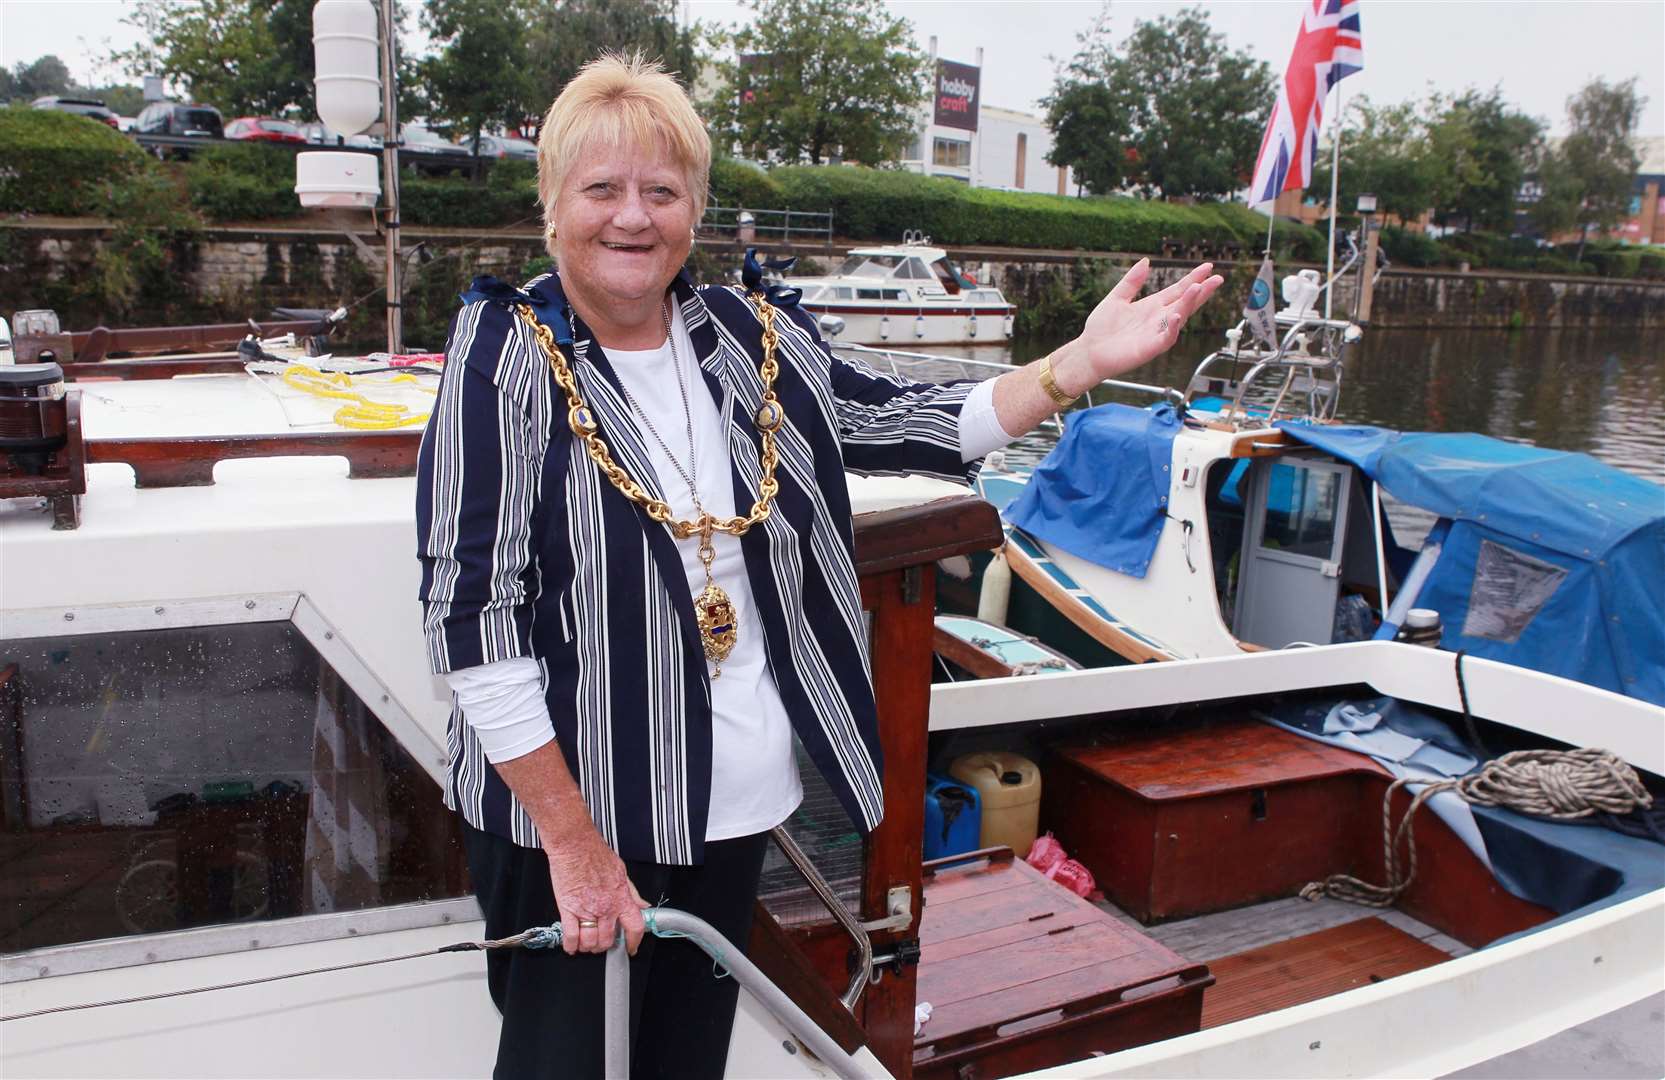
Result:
{"points": [[220, 754], [906, 294]]}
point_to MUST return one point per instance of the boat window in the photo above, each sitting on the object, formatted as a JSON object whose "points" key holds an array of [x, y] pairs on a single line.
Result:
{"points": [[811, 292], [915, 268], [873, 266], [1301, 507], [843, 292], [895, 294], [869, 294], [991, 295], [164, 779]]}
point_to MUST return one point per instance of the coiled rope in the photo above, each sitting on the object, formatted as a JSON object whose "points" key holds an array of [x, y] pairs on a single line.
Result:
{"points": [[360, 412], [537, 937], [1561, 785]]}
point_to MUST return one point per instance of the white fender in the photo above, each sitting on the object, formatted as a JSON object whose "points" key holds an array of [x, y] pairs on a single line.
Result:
{"points": [[884, 328], [971, 328], [996, 594], [919, 326]]}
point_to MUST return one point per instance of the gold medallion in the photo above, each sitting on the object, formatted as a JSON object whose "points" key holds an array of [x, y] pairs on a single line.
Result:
{"points": [[718, 633]]}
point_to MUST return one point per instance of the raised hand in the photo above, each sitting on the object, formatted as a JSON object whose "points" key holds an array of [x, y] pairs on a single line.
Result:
{"points": [[1126, 330]]}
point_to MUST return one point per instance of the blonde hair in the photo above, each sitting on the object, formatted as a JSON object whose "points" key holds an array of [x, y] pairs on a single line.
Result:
{"points": [[620, 98]]}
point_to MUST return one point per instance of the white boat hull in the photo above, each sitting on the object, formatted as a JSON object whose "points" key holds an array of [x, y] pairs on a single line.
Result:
{"points": [[903, 327]]}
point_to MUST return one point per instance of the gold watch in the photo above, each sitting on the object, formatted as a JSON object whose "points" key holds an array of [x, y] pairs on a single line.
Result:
{"points": [[1050, 385]]}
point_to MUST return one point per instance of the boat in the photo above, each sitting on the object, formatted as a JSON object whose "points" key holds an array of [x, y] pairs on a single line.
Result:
{"points": [[225, 855], [905, 293], [1239, 515]]}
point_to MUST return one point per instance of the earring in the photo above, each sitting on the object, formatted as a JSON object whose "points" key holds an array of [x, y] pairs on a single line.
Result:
{"points": [[549, 230]]}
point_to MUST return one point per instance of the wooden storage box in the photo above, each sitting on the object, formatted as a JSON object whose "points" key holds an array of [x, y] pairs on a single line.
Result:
{"points": [[1176, 823], [1022, 974]]}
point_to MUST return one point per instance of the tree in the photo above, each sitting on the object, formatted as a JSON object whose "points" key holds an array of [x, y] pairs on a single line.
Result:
{"points": [[1384, 151], [1482, 147], [1089, 121], [1598, 159], [48, 75], [816, 78], [243, 56], [1193, 110], [566, 35], [477, 80]]}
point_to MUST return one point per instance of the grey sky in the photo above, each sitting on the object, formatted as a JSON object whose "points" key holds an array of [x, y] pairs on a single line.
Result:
{"points": [[1538, 52]]}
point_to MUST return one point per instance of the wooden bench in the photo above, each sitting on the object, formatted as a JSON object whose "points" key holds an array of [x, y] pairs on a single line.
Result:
{"points": [[1022, 974]]}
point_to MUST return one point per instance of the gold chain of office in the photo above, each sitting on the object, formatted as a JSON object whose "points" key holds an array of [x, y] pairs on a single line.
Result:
{"points": [[768, 419]]}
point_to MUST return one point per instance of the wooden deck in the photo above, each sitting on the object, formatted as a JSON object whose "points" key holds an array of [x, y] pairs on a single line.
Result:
{"points": [[1310, 967]]}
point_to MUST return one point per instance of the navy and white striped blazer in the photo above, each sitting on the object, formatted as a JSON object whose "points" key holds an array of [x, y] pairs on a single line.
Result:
{"points": [[528, 550]]}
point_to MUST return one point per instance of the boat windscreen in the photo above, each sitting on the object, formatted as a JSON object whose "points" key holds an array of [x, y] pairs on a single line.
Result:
{"points": [[159, 780], [873, 266]]}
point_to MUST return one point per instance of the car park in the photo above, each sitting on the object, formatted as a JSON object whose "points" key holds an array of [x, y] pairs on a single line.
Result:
{"points": [[424, 150], [264, 129], [89, 107], [318, 133]]}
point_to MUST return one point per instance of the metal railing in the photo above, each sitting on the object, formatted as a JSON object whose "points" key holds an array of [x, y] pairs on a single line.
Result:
{"points": [[896, 359], [783, 225], [669, 922]]}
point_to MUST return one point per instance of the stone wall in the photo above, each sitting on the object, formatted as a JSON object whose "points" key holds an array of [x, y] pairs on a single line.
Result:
{"points": [[252, 269]]}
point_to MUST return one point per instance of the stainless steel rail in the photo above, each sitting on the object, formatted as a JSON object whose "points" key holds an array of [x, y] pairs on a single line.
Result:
{"points": [[669, 922]]}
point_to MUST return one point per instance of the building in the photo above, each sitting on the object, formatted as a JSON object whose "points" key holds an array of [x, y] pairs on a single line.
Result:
{"points": [[962, 139]]}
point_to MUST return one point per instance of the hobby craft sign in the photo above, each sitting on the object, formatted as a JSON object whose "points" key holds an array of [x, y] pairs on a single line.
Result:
{"points": [[956, 95]]}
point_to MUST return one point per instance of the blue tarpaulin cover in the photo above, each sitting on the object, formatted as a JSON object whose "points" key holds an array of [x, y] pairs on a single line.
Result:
{"points": [[1103, 491], [1550, 560]]}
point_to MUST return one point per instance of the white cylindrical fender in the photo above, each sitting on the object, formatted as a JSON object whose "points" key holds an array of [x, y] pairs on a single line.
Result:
{"points": [[919, 326], [884, 327], [1006, 325], [971, 325], [995, 597]]}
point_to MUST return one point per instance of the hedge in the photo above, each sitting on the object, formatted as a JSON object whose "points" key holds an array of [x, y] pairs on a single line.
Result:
{"points": [[60, 163], [243, 182], [885, 203]]}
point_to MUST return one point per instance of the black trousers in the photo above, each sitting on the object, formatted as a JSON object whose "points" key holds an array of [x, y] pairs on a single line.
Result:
{"points": [[680, 1013]]}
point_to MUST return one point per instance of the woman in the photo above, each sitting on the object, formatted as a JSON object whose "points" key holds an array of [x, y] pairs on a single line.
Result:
{"points": [[637, 573]]}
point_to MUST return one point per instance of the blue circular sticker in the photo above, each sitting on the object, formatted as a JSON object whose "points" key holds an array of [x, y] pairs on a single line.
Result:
{"points": [[1259, 295]]}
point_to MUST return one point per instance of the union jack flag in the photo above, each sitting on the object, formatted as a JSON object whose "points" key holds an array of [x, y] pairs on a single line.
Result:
{"points": [[1328, 49]]}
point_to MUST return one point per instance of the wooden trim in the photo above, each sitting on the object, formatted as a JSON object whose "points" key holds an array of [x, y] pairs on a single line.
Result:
{"points": [[171, 367], [778, 956], [91, 346], [1124, 645], [968, 656], [188, 461], [916, 535], [1243, 446]]}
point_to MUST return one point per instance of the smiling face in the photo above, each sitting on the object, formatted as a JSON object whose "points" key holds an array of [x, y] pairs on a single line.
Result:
{"points": [[624, 220]]}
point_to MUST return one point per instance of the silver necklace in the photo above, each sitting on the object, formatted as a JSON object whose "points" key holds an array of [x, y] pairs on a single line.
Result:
{"points": [[690, 476]]}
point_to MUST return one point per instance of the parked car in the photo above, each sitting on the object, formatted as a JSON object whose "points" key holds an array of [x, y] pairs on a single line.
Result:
{"points": [[264, 129], [180, 118], [318, 133], [425, 151], [507, 146], [81, 107]]}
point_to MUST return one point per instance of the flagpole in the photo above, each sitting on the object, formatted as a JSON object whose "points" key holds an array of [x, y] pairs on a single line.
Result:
{"points": [[1335, 177]]}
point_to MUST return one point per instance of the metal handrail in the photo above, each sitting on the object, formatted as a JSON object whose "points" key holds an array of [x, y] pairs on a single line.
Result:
{"points": [[824, 891], [670, 922], [996, 369]]}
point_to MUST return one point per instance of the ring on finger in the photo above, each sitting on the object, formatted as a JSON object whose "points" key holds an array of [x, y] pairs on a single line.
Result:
{"points": [[587, 924]]}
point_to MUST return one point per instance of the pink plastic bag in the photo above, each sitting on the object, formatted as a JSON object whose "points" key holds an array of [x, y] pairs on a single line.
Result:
{"points": [[1048, 856], [1045, 853]]}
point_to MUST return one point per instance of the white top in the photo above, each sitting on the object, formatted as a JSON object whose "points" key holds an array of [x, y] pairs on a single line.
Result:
{"points": [[754, 776]]}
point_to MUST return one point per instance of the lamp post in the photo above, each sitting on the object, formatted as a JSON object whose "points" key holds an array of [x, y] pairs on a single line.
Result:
{"points": [[1367, 280]]}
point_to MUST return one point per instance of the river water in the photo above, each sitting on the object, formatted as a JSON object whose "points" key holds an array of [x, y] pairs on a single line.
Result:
{"points": [[1599, 392]]}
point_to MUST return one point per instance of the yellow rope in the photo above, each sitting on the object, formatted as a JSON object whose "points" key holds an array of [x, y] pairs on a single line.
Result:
{"points": [[360, 412]]}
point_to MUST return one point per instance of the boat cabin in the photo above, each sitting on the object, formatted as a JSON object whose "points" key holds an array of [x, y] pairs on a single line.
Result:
{"points": [[904, 293]]}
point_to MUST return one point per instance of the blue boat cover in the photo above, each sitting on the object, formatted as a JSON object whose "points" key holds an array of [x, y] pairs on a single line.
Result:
{"points": [[1102, 492], [1550, 560]]}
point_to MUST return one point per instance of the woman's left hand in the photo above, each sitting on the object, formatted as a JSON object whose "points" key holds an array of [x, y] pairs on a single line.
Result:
{"points": [[1126, 330]]}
